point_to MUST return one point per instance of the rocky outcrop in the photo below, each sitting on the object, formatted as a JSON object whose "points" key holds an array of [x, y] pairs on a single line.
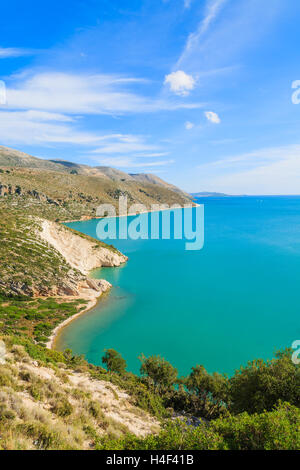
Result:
{"points": [[81, 253], [40, 258], [9, 189], [85, 288]]}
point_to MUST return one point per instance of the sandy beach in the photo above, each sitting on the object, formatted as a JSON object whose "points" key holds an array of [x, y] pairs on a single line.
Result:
{"points": [[92, 302]]}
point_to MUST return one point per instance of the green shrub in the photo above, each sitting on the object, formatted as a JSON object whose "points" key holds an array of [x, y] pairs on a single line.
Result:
{"points": [[275, 430], [260, 385], [62, 407]]}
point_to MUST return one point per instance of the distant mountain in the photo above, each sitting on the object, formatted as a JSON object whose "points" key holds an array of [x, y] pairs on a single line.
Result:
{"points": [[14, 158], [11, 158], [63, 190], [208, 194]]}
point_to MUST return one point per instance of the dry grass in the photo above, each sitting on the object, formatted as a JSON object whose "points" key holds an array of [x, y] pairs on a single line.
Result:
{"points": [[48, 408]]}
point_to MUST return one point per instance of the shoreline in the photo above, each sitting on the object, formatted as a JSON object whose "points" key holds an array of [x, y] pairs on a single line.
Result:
{"points": [[91, 304], [92, 301], [91, 217]]}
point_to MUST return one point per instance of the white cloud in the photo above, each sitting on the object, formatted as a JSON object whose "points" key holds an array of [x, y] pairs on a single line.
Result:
{"points": [[212, 117], [151, 155], [123, 147], [86, 94], [37, 127], [212, 9], [124, 144], [189, 125], [44, 128], [6, 52], [264, 171], [180, 82], [129, 162]]}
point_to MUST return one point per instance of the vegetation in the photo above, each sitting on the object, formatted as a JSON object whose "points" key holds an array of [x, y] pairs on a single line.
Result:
{"points": [[47, 402], [276, 430], [230, 412], [114, 361], [28, 264], [61, 196], [35, 317], [161, 374], [57, 400], [201, 411], [64, 416]]}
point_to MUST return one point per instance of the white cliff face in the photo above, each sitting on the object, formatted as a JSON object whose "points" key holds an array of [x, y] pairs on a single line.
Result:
{"points": [[83, 255], [80, 253]]}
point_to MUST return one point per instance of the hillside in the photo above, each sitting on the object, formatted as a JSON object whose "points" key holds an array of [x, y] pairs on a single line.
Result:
{"points": [[34, 263], [57, 400], [153, 179], [87, 184], [54, 403]]}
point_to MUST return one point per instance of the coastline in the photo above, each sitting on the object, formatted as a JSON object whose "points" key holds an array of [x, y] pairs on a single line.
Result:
{"points": [[91, 304], [96, 298], [91, 217]]}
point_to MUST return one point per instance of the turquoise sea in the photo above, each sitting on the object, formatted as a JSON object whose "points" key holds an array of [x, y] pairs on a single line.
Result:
{"points": [[235, 300]]}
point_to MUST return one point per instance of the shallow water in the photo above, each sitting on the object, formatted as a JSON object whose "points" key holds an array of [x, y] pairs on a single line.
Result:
{"points": [[235, 300]]}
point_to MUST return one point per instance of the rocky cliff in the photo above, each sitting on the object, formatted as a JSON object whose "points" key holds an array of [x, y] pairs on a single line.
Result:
{"points": [[43, 258], [80, 252]]}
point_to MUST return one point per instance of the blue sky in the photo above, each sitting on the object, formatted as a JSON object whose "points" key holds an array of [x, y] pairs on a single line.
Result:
{"points": [[198, 92]]}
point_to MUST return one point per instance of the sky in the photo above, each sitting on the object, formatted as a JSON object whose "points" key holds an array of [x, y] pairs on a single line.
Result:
{"points": [[203, 93]]}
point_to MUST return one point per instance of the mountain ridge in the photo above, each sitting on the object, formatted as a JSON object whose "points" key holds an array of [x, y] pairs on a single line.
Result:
{"points": [[12, 158]]}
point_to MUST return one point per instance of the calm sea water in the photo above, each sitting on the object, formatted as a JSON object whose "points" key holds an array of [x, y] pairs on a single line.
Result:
{"points": [[235, 300]]}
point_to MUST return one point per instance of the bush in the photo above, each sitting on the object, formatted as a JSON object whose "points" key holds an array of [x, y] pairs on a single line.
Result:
{"points": [[260, 385], [114, 361], [62, 408], [160, 372], [276, 430]]}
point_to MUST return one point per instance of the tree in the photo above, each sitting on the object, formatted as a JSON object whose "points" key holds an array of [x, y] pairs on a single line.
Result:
{"points": [[271, 430], [114, 361], [260, 385], [161, 373], [209, 392]]}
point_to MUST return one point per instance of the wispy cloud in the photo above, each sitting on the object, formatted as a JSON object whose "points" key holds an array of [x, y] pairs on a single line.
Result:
{"points": [[38, 127], [274, 170], [7, 52], [85, 94], [152, 155], [124, 145], [212, 9], [257, 157], [130, 162], [129, 151], [189, 125]]}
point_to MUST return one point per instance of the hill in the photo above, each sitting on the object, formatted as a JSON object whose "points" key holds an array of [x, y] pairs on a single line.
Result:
{"points": [[153, 179], [10, 158], [53, 402], [60, 190], [57, 400]]}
